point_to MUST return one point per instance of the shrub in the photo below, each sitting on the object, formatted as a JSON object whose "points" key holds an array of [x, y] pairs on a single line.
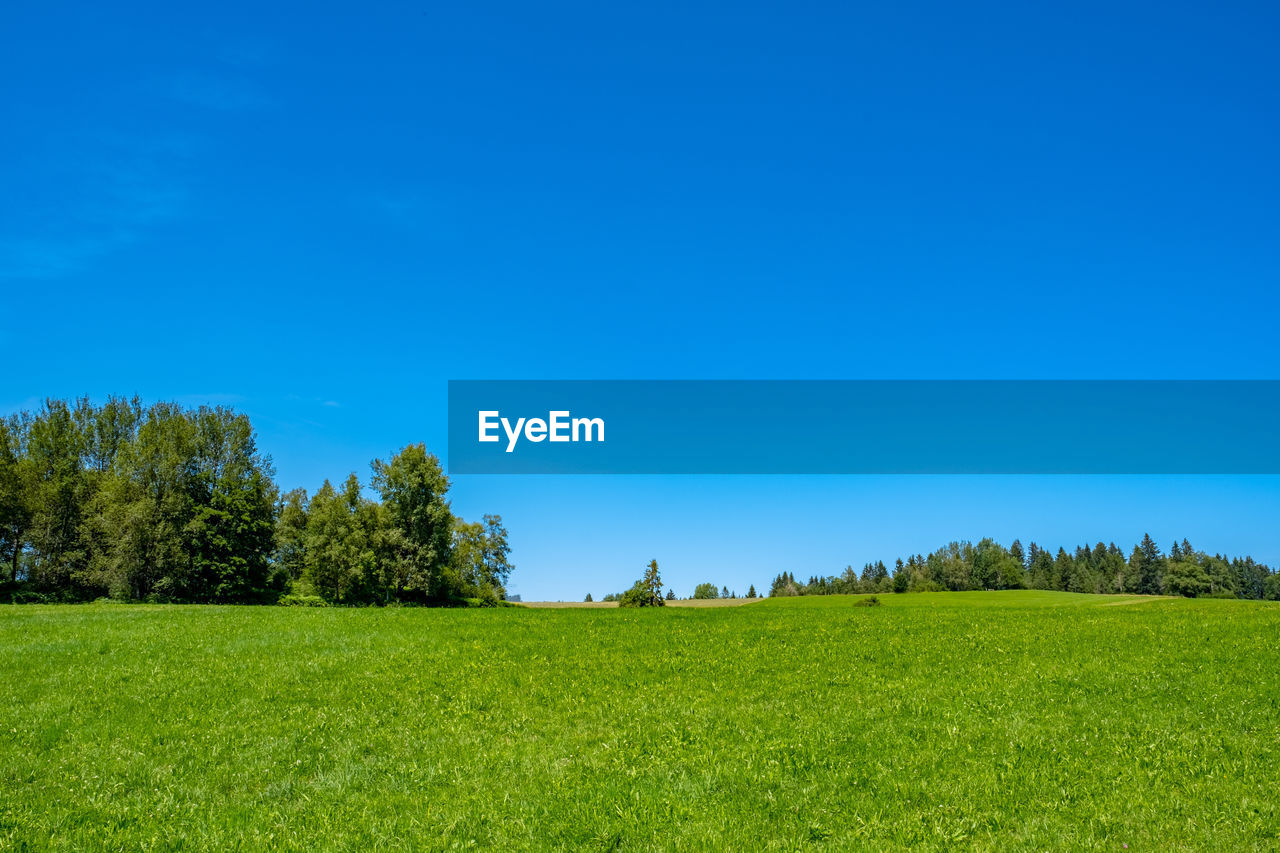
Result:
{"points": [[867, 602], [296, 600], [474, 601]]}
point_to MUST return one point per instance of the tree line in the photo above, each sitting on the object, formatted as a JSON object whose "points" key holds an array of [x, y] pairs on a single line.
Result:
{"points": [[708, 591], [647, 592], [1100, 568], [170, 504]]}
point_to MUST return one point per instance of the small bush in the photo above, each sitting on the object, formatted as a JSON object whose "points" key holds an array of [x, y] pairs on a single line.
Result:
{"points": [[1222, 593], [867, 602], [474, 601], [295, 600]]}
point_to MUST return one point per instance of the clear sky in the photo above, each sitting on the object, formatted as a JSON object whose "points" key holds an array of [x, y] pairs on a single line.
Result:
{"points": [[320, 213]]}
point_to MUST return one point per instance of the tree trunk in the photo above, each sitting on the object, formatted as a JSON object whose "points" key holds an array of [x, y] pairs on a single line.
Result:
{"points": [[17, 549]]}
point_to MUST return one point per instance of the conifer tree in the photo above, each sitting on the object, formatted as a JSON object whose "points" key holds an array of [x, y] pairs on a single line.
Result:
{"points": [[1015, 551], [1150, 567], [653, 583]]}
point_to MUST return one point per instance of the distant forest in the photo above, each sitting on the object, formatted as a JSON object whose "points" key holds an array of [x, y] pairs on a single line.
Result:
{"points": [[1098, 569], [173, 504]]}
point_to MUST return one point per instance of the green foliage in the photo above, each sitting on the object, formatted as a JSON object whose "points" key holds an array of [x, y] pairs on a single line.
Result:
{"points": [[338, 555], [653, 583], [1147, 566], [15, 473], [169, 504], [636, 596], [294, 600], [960, 566], [995, 567], [1041, 568], [874, 577], [157, 504], [901, 577], [289, 556], [413, 487], [1186, 576], [480, 557], [647, 592], [27, 596], [485, 596], [705, 590], [1018, 720], [784, 585]]}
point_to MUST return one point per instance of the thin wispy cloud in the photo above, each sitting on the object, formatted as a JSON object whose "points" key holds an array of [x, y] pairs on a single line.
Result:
{"points": [[315, 401]]}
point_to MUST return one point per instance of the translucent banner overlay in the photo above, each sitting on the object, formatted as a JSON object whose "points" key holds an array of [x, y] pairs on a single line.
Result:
{"points": [[864, 427]]}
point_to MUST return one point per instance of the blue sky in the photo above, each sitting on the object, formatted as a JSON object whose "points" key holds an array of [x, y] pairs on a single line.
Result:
{"points": [[320, 214]]}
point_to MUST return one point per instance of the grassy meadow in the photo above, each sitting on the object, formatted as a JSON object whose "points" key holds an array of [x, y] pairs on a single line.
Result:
{"points": [[1008, 720]]}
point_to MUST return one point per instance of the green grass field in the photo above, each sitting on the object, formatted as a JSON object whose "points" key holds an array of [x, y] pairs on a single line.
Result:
{"points": [[996, 720]]}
